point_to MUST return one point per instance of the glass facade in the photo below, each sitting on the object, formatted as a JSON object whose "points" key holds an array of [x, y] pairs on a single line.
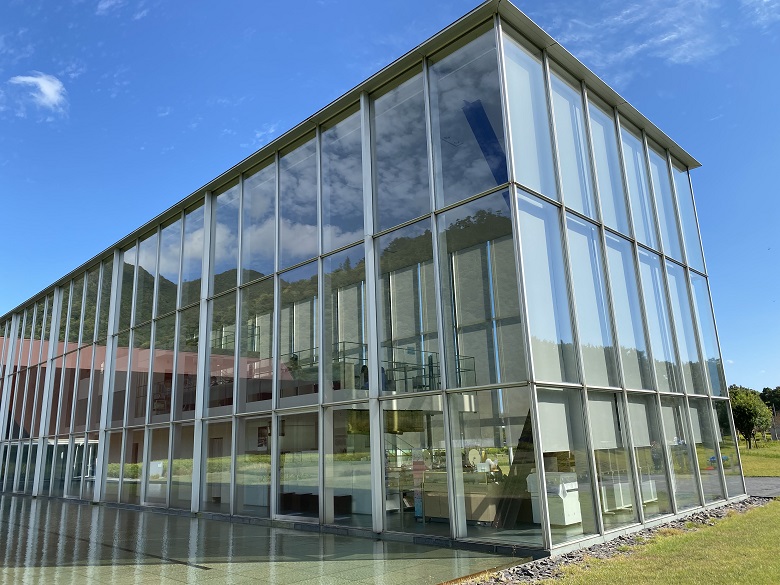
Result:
{"points": [[469, 302]]}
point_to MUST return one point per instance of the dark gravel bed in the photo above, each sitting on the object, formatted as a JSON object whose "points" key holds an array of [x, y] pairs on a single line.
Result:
{"points": [[550, 568]]}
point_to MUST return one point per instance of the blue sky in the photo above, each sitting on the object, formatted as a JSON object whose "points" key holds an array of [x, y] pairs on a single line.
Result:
{"points": [[113, 110]]}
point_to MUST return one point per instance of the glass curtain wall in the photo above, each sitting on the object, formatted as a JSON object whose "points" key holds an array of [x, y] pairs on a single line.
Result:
{"points": [[510, 325]]}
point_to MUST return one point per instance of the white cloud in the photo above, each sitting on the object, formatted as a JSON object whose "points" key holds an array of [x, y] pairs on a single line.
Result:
{"points": [[162, 112], [762, 13], [106, 6], [140, 14], [47, 91], [262, 136]]}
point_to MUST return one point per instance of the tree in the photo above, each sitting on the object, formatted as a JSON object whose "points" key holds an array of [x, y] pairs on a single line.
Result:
{"points": [[749, 411], [771, 397]]}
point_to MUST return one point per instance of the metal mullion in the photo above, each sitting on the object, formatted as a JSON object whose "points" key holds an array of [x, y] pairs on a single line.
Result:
{"points": [[203, 344], [180, 268], [691, 444], [653, 202], [233, 458], [670, 474], [736, 445], [150, 372], [624, 173], [673, 330], [6, 398], [594, 482], [156, 284], [697, 330], [41, 388], [504, 92], [544, 511], [371, 311], [110, 368], [564, 239], [318, 159], [676, 207], [715, 428], [274, 440], [636, 476], [324, 354], [721, 369], [126, 409], [240, 260], [83, 311], [538, 447], [643, 313], [171, 433], [696, 218], [455, 512], [134, 301], [591, 151]]}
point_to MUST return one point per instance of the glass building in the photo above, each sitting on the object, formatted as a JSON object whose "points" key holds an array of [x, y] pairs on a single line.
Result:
{"points": [[465, 302]]}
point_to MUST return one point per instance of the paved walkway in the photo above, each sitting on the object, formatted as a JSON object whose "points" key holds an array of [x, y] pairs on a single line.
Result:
{"points": [[54, 541], [766, 487]]}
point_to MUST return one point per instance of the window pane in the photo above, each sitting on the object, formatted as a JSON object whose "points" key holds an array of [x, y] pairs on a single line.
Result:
{"points": [[613, 469], [222, 349], [217, 437], [253, 467], [127, 275], [170, 257], [416, 492], [74, 328], [162, 368], [400, 145], [684, 327], [138, 389], [728, 449], [484, 341], [628, 316], [40, 390], [255, 383], [342, 184], [531, 143], [638, 189], [122, 354], [468, 131], [678, 445], [90, 308], [567, 470], [105, 299], [98, 379], [112, 469], [657, 311], [667, 216], [572, 142], [66, 400], [299, 465], [298, 205], [133, 466], [82, 390], [298, 345], [157, 472], [90, 467], [495, 488], [187, 364], [649, 454], [709, 340], [408, 333], [706, 456], [192, 262], [225, 243], [181, 467], [344, 290], [546, 295], [587, 271], [348, 466], [259, 229], [147, 269], [693, 251], [608, 174]]}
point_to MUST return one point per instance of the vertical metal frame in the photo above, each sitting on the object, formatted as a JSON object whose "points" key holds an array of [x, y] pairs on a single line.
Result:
{"points": [[696, 218], [110, 367], [198, 444], [651, 193], [715, 434], [44, 360], [456, 514], [572, 308], [692, 446], [676, 206], [372, 336]]}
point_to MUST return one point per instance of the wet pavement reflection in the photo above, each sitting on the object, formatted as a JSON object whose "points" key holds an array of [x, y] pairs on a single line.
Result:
{"points": [[64, 542]]}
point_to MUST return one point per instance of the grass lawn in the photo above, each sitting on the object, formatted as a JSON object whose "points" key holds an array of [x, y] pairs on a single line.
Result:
{"points": [[761, 461], [741, 548]]}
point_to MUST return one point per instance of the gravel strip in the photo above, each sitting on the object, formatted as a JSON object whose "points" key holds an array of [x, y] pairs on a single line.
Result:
{"points": [[550, 568]]}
